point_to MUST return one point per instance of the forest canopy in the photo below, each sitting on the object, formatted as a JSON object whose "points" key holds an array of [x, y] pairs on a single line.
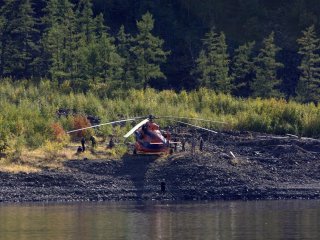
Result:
{"points": [[245, 48]]}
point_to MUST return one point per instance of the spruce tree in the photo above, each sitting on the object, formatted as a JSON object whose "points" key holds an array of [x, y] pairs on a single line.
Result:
{"points": [[109, 60], [19, 39], [223, 80], [243, 69], [85, 21], [2, 44], [70, 44], [60, 40], [148, 52], [59, 26], [124, 41], [308, 88], [6, 14], [266, 82], [92, 60], [99, 26], [205, 70], [212, 65]]}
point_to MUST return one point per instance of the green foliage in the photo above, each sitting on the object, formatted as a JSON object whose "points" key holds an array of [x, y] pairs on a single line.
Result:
{"points": [[85, 21], [68, 41], [52, 149], [243, 69], [309, 82], [19, 39], [124, 41], [148, 52], [28, 117], [4, 137], [266, 82], [110, 61], [212, 65]]}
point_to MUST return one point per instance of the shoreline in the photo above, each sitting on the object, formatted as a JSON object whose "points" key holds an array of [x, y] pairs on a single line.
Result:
{"points": [[262, 168]]}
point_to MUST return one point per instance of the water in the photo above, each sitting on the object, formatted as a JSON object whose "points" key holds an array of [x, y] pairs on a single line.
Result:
{"points": [[296, 219]]}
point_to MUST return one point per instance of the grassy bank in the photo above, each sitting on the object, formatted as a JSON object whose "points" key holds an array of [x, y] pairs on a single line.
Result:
{"points": [[28, 118]]}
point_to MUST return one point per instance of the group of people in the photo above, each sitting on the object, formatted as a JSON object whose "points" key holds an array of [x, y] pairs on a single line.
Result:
{"points": [[82, 148], [193, 143]]}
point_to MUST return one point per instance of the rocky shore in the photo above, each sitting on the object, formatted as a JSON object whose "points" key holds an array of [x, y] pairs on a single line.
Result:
{"points": [[235, 165]]}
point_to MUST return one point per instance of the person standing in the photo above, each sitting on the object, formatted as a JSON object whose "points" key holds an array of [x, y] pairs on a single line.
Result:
{"points": [[193, 145], [183, 144], [93, 141], [83, 141], [201, 143], [111, 143]]}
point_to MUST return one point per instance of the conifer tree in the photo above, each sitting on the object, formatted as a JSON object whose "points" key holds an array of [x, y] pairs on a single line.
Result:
{"points": [[7, 46], [100, 26], [309, 81], [55, 13], [19, 39], [266, 82], [124, 41], [85, 21], [2, 43], [109, 60], [212, 65], [243, 69], [148, 52], [70, 44], [60, 40], [223, 80], [92, 60], [51, 14]]}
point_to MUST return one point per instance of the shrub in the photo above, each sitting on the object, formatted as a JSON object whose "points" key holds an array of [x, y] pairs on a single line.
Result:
{"points": [[78, 122], [58, 133], [51, 149]]}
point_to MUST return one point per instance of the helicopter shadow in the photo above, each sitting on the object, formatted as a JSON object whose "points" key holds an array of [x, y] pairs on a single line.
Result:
{"points": [[135, 167]]}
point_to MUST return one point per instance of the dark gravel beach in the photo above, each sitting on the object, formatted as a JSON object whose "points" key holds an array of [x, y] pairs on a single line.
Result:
{"points": [[233, 165]]}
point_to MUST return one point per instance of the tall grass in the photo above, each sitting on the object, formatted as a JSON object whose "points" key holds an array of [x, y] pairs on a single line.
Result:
{"points": [[28, 111]]}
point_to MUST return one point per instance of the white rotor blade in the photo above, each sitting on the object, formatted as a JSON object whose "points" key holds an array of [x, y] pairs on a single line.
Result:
{"points": [[108, 123], [199, 119], [136, 127], [195, 126]]}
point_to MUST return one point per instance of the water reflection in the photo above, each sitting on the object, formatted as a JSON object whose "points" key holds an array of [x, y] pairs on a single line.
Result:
{"points": [[214, 220]]}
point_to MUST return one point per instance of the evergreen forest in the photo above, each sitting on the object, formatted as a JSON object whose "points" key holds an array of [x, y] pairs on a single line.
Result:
{"points": [[246, 48]]}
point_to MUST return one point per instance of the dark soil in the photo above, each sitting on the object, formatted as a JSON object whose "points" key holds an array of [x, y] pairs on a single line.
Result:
{"points": [[264, 167]]}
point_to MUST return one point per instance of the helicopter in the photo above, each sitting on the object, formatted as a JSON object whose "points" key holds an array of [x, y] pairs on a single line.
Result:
{"points": [[149, 138]]}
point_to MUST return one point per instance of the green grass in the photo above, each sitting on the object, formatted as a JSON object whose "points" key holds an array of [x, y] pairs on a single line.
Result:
{"points": [[28, 111]]}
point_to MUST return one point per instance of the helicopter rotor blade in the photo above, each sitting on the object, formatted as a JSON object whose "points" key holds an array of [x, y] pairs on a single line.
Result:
{"points": [[198, 119], [108, 123], [136, 127], [195, 126]]}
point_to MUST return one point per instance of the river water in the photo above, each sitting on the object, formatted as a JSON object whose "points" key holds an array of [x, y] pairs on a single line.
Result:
{"points": [[243, 220]]}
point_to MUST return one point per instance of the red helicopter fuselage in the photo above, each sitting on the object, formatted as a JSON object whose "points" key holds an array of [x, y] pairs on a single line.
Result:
{"points": [[150, 140]]}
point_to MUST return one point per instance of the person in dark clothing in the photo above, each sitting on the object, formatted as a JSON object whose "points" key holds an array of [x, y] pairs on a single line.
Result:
{"points": [[193, 145], [175, 145], [83, 141], [111, 143], [93, 141], [79, 150], [183, 144], [201, 144], [163, 186]]}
